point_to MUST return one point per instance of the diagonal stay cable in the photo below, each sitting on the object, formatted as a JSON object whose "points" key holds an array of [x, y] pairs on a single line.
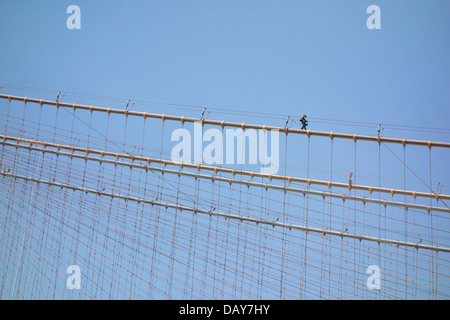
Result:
{"points": [[412, 171]]}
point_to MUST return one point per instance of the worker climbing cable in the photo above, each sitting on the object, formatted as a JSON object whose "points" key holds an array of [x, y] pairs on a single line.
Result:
{"points": [[304, 122]]}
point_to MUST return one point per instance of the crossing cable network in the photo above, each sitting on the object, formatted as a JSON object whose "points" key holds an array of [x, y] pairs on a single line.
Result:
{"points": [[234, 172], [341, 234], [208, 208]]}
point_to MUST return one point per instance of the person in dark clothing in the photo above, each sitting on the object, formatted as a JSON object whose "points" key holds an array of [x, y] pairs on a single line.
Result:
{"points": [[304, 122]]}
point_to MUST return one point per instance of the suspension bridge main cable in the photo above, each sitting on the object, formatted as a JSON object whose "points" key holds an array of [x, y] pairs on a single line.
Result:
{"points": [[234, 172], [183, 119], [167, 205]]}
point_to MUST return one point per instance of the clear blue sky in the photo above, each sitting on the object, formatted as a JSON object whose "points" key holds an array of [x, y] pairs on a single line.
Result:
{"points": [[262, 57]]}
